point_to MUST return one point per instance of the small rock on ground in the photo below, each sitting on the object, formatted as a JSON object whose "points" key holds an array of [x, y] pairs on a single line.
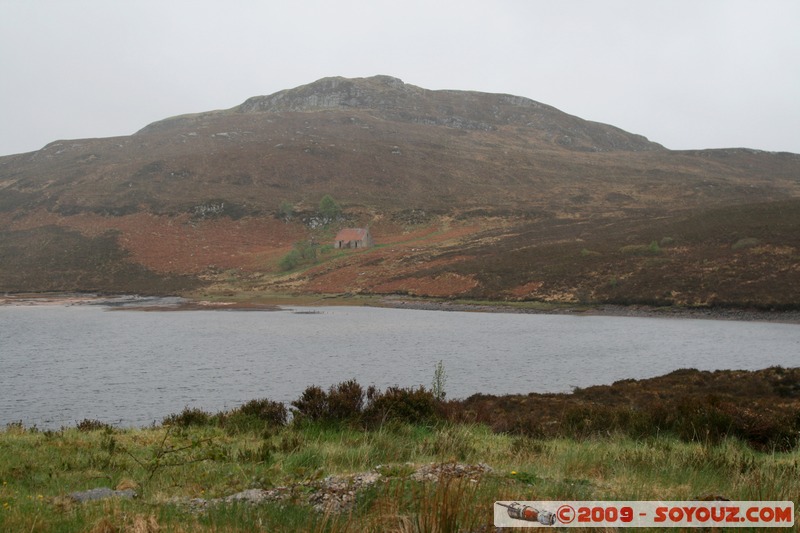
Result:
{"points": [[338, 493], [101, 494]]}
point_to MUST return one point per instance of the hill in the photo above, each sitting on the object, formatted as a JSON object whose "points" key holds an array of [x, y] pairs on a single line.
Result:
{"points": [[468, 195]]}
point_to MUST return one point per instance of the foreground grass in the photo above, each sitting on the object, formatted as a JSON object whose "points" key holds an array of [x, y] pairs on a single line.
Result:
{"points": [[168, 466]]}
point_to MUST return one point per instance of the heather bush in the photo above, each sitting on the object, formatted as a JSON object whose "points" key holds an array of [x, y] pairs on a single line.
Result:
{"points": [[311, 405], [400, 404], [345, 401], [274, 413], [694, 418], [255, 415], [87, 425], [189, 417]]}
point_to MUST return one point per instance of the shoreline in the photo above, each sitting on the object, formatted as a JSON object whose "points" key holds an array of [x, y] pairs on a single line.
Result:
{"points": [[280, 302], [131, 303], [633, 311]]}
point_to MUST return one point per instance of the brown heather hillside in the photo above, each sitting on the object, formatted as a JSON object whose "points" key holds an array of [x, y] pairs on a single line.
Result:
{"points": [[759, 407], [468, 195]]}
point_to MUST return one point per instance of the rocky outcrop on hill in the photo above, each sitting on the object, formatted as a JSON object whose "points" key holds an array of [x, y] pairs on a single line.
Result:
{"points": [[393, 99]]}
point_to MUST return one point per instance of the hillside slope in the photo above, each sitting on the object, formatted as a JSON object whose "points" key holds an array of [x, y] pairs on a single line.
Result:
{"points": [[468, 194]]}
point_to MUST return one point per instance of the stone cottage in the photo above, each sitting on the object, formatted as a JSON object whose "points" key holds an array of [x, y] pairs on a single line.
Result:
{"points": [[353, 238]]}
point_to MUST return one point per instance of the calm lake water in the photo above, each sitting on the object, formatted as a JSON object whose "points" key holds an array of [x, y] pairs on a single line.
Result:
{"points": [[59, 364]]}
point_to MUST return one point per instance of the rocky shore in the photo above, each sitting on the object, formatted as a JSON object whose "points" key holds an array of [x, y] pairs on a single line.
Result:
{"points": [[711, 313], [133, 302]]}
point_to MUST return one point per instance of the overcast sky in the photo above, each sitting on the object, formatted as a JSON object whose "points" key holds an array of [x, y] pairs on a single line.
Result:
{"points": [[684, 73]]}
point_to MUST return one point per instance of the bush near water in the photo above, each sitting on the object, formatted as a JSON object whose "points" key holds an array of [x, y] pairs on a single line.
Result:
{"points": [[759, 408]]}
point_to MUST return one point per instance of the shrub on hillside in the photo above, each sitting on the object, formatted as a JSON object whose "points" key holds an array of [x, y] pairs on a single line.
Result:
{"points": [[345, 401], [303, 254], [342, 402], [255, 415], [400, 404], [329, 209], [87, 425], [189, 417], [312, 404], [274, 413], [604, 411], [712, 421], [291, 260]]}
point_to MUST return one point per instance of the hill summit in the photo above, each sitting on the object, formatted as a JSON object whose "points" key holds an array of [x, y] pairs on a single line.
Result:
{"points": [[392, 99], [466, 194]]}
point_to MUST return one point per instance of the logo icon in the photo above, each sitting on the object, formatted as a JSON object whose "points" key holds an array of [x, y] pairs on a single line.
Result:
{"points": [[529, 514], [565, 514]]}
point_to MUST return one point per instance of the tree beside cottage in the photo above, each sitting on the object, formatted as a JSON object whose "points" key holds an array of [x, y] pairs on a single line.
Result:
{"points": [[353, 238]]}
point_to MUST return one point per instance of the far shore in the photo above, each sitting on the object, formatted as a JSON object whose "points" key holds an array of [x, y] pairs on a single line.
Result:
{"points": [[641, 311], [276, 302]]}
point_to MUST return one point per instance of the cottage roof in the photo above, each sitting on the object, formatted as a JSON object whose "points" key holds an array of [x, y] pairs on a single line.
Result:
{"points": [[352, 234]]}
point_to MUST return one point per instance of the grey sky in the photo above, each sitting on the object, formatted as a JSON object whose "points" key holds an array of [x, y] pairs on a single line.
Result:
{"points": [[684, 73]]}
